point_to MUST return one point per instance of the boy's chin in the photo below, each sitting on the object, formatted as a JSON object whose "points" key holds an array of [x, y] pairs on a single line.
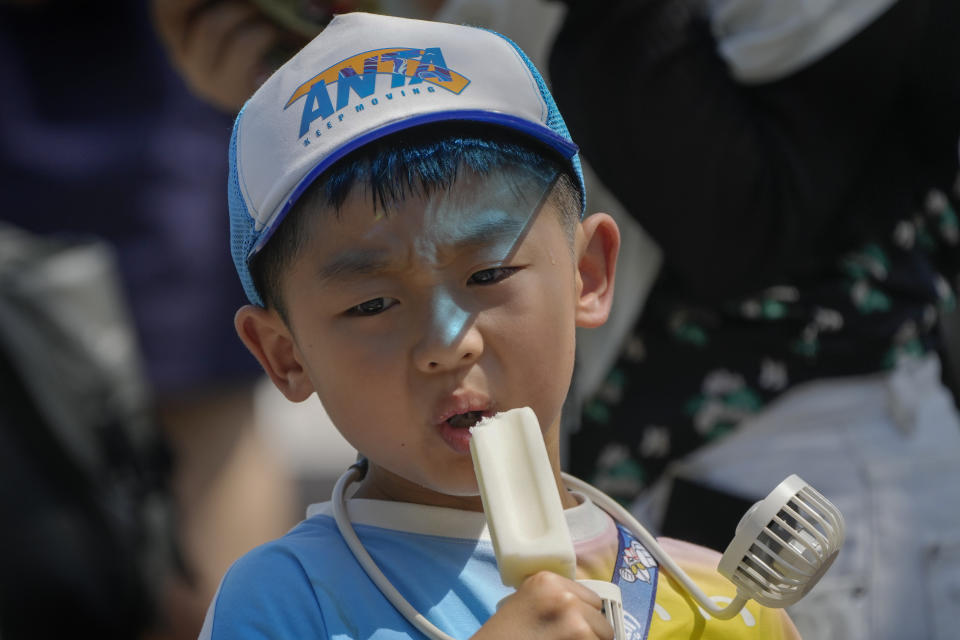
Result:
{"points": [[457, 481], [456, 488], [465, 495], [464, 492]]}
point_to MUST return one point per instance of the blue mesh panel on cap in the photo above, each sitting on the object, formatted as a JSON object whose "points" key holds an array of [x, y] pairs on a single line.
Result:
{"points": [[242, 230], [554, 119]]}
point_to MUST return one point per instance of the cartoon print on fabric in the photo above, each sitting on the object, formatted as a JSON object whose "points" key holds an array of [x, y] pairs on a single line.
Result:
{"points": [[724, 400], [636, 562], [636, 573]]}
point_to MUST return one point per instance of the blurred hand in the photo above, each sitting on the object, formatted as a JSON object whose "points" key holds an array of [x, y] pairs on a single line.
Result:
{"points": [[218, 47], [547, 606]]}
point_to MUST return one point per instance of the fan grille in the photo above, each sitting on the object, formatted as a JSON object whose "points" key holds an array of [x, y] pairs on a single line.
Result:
{"points": [[791, 551]]}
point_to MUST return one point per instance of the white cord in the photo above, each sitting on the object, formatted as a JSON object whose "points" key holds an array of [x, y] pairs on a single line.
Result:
{"points": [[605, 502], [373, 571]]}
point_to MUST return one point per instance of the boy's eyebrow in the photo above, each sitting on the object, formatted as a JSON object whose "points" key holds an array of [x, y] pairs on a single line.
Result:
{"points": [[490, 231], [354, 262]]}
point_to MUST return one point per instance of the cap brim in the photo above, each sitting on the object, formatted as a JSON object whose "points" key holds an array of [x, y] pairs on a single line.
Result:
{"points": [[565, 148]]}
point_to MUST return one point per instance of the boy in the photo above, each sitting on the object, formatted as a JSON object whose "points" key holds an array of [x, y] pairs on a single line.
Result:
{"points": [[406, 218]]}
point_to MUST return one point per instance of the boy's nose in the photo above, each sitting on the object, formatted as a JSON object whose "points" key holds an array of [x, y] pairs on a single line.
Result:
{"points": [[450, 339], [437, 358]]}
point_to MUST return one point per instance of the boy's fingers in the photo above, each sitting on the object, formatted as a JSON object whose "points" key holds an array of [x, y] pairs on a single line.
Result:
{"points": [[597, 622], [591, 611], [553, 584], [587, 594]]}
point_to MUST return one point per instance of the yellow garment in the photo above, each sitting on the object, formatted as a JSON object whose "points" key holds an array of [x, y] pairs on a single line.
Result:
{"points": [[677, 616]]}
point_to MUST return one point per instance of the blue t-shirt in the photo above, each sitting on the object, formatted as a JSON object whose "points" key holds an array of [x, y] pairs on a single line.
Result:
{"points": [[307, 584]]}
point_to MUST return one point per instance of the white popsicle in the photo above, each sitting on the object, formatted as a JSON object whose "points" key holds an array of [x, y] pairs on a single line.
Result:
{"points": [[520, 497]]}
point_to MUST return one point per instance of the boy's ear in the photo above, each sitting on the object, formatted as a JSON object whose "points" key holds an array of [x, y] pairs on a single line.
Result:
{"points": [[267, 337], [596, 266]]}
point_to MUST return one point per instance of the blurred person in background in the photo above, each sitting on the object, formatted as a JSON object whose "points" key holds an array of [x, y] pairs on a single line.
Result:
{"points": [[799, 163], [100, 137], [89, 528]]}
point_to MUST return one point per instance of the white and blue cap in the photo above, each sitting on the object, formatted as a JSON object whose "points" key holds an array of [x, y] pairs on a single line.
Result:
{"points": [[363, 77]]}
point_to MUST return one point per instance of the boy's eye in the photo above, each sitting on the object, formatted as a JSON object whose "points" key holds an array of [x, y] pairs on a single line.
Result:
{"points": [[371, 307], [492, 276]]}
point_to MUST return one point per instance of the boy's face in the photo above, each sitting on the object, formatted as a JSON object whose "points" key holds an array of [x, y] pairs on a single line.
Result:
{"points": [[412, 326]]}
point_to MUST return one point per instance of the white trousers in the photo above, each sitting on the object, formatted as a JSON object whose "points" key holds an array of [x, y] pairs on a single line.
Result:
{"points": [[886, 450]]}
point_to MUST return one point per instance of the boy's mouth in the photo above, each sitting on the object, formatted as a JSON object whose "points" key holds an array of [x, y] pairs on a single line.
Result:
{"points": [[465, 420], [455, 430]]}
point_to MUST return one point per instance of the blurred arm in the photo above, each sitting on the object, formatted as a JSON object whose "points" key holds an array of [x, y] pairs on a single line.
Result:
{"points": [[218, 47]]}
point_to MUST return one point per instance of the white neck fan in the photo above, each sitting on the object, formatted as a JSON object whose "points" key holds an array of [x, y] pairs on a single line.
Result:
{"points": [[783, 544]]}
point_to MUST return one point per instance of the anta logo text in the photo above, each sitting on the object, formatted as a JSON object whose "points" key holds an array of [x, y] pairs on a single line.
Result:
{"points": [[397, 70]]}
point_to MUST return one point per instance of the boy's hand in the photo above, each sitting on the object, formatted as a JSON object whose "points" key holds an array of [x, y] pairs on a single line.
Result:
{"points": [[218, 47], [549, 607]]}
